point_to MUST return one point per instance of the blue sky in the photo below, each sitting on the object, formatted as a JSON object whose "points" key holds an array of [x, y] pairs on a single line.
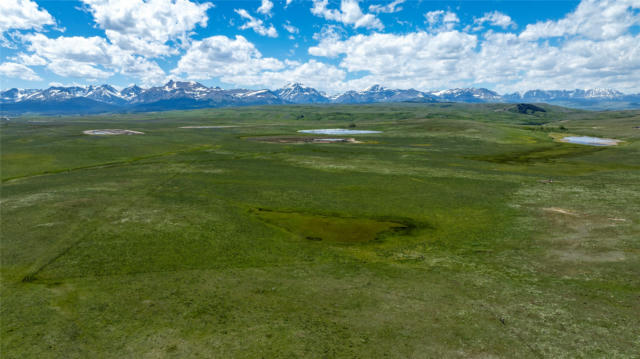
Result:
{"points": [[331, 45]]}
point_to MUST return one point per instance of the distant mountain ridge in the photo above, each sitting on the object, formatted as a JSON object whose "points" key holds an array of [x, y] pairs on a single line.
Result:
{"points": [[176, 95]]}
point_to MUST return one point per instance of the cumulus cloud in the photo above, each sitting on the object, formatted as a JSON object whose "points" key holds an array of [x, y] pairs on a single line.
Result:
{"points": [[494, 18], [89, 58], [70, 68], [145, 27], [418, 59], [505, 61], [349, 14], [265, 7], [312, 73], [30, 60], [21, 15], [256, 25], [594, 19], [220, 56], [515, 64], [440, 20], [596, 45], [290, 28], [389, 8], [237, 61], [20, 71]]}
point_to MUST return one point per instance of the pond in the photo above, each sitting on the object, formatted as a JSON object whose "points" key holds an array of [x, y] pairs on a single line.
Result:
{"points": [[338, 131], [590, 141]]}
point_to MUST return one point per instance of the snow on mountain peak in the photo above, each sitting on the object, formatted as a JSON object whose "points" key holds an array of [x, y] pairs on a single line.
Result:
{"points": [[374, 88], [297, 93]]}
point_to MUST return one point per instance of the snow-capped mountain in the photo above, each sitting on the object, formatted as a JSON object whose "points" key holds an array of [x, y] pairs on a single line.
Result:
{"points": [[377, 93], [186, 95], [57, 93], [173, 90], [602, 93], [106, 94], [298, 93], [15, 95], [558, 95], [468, 95], [253, 97], [131, 92]]}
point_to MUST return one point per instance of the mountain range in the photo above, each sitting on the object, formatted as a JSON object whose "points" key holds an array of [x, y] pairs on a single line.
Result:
{"points": [[176, 95]]}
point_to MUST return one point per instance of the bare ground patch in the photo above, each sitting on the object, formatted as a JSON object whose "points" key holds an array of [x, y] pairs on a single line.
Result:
{"points": [[111, 132], [208, 126], [301, 139], [559, 210]]}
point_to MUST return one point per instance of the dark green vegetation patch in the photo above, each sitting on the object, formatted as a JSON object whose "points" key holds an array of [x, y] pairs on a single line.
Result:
{"points": [[334, 228]]}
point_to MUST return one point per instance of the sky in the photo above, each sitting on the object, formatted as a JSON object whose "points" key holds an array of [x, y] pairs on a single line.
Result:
{"points": [[331, 45]]}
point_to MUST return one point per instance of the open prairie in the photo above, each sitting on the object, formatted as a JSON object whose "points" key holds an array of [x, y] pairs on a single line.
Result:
{"points": [[456, 231]]}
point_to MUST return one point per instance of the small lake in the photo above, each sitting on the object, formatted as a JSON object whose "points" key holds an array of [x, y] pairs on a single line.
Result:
{"points": [[338, 131], [591, 141]]}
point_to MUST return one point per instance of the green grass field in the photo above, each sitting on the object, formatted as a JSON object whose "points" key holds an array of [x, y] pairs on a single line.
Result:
{"points": [[459, 231]]}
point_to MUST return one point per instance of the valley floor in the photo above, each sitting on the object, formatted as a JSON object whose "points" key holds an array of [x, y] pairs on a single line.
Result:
{"points": [[458, 231]]}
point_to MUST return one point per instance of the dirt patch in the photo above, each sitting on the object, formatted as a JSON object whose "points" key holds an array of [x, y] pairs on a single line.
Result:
{"points": [[302, 139], [560, 210], [208, 126], [110, 132]]}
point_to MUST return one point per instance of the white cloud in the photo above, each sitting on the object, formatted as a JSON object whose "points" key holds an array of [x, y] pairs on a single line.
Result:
{"points": [[256, 24], [238, 62], [290, 28], [70, 68], [349, 14], [440, 20], [594, 19], [145, 27], [495, 18], [21, 15], [147, 71], [312, 73], [504, 61], [30, 60], [515, 64], [418, 59], [15, 70], [89, 57], [220, 56], [389, 8], [265, 7], [597, 45]]}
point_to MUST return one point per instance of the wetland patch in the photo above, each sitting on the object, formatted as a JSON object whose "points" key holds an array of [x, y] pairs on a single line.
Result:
{"points": [[542, 154], [336, 229]]}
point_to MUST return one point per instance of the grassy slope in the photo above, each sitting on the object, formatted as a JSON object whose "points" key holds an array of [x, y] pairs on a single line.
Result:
{"points": [[150, 246]]}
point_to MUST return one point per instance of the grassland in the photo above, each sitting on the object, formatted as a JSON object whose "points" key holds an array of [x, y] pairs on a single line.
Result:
{"points": [[459, 231]]}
